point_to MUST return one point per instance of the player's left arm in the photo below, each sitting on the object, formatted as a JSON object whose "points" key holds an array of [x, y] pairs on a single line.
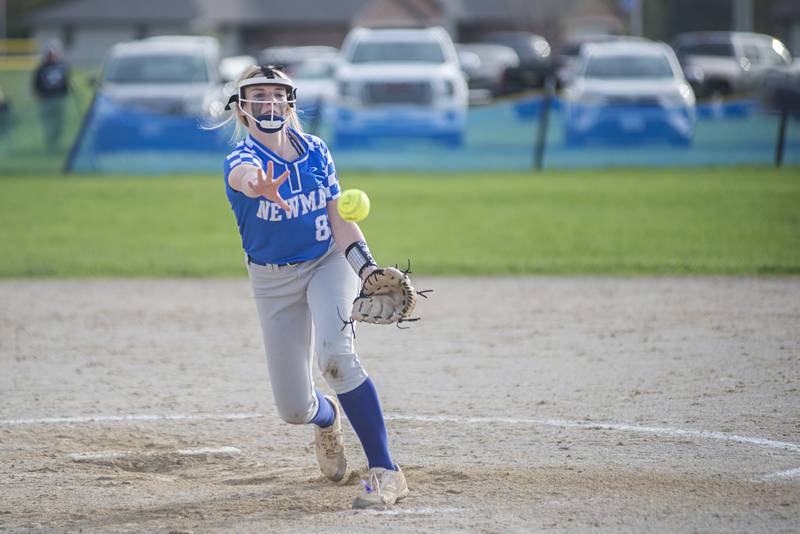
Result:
{"points": [[345, 233]]}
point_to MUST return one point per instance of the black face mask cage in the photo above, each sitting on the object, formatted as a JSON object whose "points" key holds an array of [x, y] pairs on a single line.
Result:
{"points": [[267, 72]]}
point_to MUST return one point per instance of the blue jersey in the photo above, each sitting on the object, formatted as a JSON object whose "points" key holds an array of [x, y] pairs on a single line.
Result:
{"points": [[269, 233]]}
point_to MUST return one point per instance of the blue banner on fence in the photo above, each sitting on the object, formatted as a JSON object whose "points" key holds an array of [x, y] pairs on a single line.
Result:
{"points": [[121, 139], [501, 135]]}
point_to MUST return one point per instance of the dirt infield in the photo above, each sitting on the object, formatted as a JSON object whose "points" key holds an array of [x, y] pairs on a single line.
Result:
{"points": [[516, 405]]}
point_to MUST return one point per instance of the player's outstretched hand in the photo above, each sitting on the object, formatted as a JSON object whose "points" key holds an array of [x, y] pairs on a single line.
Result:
{"points": [[266, 187]]}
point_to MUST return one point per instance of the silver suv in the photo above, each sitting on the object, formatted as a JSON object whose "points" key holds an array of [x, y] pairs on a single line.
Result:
{"points": [[174, 75], [724, 63], [629, 91], [400, 83]]}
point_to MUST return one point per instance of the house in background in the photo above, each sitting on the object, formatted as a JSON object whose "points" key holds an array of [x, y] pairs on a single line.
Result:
{"points": [[556, 20], [88, 28]]}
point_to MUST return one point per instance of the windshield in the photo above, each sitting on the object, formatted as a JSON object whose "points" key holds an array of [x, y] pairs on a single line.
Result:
{"points": [[707, 49], [157, 68], [423, 52], [312, 70], [628, 67]]}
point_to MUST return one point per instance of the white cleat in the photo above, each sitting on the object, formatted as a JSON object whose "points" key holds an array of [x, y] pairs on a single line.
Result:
{"points": [[384, 487], [329, 446]]}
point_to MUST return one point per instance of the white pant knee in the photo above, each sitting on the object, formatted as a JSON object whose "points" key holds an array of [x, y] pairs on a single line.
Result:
{"points": [[342, 370], [296, 412]]}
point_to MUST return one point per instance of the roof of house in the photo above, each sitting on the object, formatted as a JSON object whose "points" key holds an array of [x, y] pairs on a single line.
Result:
{"points": [[253, 12], [296, 12], [103, 11], [239, 12]]}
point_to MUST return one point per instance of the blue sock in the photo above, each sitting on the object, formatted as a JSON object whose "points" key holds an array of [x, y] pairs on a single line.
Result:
{"points": [[363, 410], [325, 413]]}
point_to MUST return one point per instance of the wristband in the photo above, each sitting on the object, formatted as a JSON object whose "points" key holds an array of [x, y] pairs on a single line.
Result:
{"points": [[359, 256]]}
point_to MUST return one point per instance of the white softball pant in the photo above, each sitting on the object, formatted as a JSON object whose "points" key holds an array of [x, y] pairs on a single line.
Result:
{"points": [[297, 306]]}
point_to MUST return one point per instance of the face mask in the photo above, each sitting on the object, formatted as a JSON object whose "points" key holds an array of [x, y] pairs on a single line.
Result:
{"points": [[267, 123]]}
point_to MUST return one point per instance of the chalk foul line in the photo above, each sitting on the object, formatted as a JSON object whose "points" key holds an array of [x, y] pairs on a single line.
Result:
{"points": [[590, 425], [127, 418], [199, 451], [789, 474]]}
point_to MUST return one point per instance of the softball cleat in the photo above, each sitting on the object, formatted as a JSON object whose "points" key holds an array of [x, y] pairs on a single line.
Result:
{"points": [[329, 446], [383, 487]]}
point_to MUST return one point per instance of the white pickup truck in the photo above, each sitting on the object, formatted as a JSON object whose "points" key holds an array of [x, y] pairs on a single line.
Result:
{"points": [[399, 83], [174, 75]]}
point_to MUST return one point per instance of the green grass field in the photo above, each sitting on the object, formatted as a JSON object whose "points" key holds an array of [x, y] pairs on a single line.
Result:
{"points": [[628, 222]]}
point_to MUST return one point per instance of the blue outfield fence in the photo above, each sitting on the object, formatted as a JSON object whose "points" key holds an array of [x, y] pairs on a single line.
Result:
{"points": [[120, 139], [501, 135]]}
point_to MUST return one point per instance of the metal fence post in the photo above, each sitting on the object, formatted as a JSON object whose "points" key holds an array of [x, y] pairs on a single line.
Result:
{"points": [[781, 138], [544, 115]]}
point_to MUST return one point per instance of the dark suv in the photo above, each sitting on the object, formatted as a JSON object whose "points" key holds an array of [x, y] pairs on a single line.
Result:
{"points": [[724, 63], [535, 59]]}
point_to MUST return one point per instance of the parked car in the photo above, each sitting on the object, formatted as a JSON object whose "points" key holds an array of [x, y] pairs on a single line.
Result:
{"points": [[567, 58], [628, 91], [535, 59], [724, 63], [400, 83], [485, 65], [176, 75]]}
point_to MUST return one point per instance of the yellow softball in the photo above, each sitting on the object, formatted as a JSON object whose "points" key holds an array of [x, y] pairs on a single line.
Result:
{"points": [[353, 205]]}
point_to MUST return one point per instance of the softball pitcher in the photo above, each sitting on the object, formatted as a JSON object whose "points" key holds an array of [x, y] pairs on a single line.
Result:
{"points": [[306, 266]]}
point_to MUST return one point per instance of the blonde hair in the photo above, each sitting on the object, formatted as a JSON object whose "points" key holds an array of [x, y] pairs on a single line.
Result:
{"points": [[292, 120]]}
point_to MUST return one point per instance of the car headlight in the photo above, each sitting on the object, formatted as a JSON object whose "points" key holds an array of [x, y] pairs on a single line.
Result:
{"points": [[682, 97], [542, 48], [686, 93]]}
